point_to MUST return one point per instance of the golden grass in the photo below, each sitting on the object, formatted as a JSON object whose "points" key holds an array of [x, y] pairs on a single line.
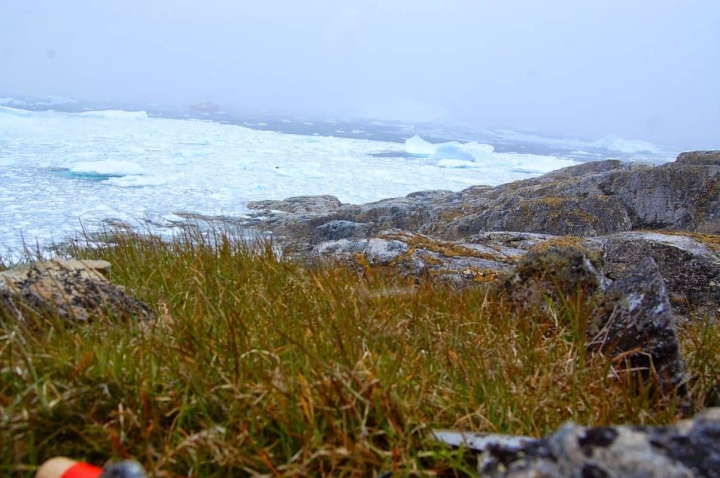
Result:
{"points": [[259, 366]]}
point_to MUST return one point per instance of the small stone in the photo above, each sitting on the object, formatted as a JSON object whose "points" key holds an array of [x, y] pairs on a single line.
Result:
{"points": [[124, 469], [75, 290]]}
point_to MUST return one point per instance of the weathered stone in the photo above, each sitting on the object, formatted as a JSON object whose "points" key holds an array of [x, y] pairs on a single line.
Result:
{"points": [[339, 229], [689, 448], [408, 213], [74, 290], [299, 204], [635, 319]]}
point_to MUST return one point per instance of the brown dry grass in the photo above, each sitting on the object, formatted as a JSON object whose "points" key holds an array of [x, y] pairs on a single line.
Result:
{"points": [[263, 367]]}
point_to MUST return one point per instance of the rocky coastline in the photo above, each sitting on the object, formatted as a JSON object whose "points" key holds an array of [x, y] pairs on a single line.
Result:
{"points": [[641, 242]]}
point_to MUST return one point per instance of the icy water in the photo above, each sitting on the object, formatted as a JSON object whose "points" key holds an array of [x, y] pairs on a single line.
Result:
{"points": [[67, 166]]}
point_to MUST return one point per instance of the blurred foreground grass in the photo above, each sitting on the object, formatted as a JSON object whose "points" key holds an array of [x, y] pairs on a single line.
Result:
{"points": [[261, 366]]}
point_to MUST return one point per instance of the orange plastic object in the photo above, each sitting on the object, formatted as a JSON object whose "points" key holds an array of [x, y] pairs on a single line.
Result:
{"points": [[62, 467]]}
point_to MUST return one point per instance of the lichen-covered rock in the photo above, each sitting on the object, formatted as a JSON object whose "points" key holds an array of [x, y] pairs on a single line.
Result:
{"points": [[635, 319], [690, 268], [687, 449], [410, 254], [74, 290], [556, 273], [674, 196], [520, 242], [339, 229], [703, 158]]}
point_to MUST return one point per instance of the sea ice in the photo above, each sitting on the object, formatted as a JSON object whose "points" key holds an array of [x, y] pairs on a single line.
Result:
{"points": [[456, 163], [115, 114], [154, 168], [106, 168]]}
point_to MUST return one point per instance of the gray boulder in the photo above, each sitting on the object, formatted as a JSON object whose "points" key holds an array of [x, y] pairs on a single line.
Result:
{"points": [[690, 268]]}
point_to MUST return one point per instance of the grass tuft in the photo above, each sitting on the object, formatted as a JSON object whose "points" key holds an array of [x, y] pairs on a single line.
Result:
{"points": [[265, 367]]}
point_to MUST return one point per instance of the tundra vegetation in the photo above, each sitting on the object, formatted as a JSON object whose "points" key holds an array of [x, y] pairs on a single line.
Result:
{"points": [[261, 366]]}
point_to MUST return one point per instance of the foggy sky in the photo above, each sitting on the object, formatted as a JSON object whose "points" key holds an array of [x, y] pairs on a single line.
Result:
{"points": [[641, 69]]}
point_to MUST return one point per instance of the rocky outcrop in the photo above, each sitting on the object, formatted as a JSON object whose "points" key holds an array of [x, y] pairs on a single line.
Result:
{"points": [[699, 158], [74, 290], [299, 204], [590, 199], [690, 448]]}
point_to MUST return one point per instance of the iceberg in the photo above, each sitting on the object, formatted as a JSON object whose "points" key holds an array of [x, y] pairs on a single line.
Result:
{"points": [[419, 147], [464, 152], [16, 112], [616, 143], [451, 150], [481, 152]]}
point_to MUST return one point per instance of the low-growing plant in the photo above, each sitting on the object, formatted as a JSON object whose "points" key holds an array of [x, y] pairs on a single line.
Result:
{"points": [[260, 366]]}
